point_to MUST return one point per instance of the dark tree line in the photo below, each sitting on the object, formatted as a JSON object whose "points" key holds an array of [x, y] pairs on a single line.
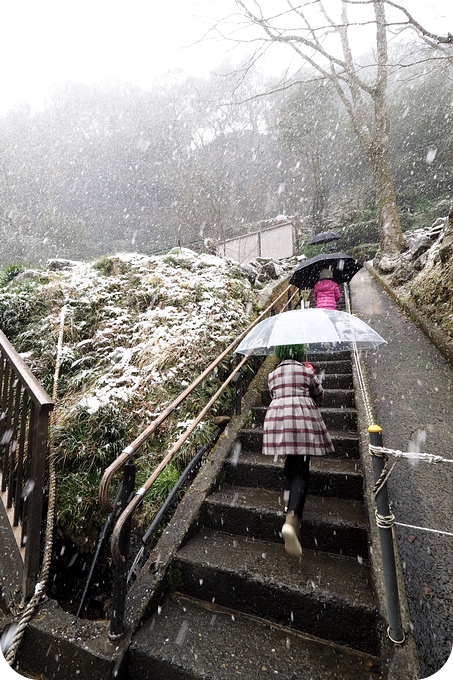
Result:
{"points": [[111, 167]]}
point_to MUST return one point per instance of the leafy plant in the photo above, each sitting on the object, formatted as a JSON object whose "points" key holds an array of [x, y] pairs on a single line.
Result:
{"points": [[111, 266], [7, 274]]}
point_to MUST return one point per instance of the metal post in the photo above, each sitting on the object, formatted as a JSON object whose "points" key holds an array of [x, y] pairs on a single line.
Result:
{"points": [[120, 576], [237, 381], [383, 515]]}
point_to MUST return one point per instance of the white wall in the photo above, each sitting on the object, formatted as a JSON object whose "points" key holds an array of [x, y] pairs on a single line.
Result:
{"points": [[275, 242]]}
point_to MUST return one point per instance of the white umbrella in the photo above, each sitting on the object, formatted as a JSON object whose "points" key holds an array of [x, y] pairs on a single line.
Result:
{"points": [[321, 330]]}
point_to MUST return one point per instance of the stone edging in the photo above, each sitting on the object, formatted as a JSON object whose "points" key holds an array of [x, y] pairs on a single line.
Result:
{"points": [[437, 336]]}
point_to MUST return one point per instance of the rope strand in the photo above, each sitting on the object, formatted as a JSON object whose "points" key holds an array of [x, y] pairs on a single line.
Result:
{"points": [[433, 531], [428, 457]]}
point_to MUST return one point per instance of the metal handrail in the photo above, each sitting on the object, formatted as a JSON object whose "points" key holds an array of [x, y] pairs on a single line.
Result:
{"points": [[24, 429], [115, 543], [119, 543], [130, 450]]}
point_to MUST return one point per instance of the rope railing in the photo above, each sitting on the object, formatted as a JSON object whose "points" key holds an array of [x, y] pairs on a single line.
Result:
{"points": [[426, 457], [385, 453], [385, 519], [363, 385]]}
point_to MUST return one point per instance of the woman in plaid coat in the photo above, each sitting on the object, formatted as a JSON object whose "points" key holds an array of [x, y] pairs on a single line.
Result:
{"points": [[293, 427]]}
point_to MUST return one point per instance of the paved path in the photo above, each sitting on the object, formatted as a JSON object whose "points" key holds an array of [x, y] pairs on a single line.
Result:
{"points": [[412, 389]]}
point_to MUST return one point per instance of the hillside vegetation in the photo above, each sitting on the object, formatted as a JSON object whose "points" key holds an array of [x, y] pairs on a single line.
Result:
{"points": [[137, 331]]}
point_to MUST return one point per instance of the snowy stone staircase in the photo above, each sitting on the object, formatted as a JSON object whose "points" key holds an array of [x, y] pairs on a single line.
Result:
{"points": [[238, 605]]}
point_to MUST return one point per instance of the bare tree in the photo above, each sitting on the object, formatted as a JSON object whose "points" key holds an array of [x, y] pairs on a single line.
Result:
{"points": [[323, 42]]}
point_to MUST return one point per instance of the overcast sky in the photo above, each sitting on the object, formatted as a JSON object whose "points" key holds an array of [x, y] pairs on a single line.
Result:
{"points": [[47, 42]]}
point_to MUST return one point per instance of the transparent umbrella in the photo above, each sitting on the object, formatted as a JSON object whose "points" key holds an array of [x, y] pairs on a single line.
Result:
{"points": [[321, 330]]}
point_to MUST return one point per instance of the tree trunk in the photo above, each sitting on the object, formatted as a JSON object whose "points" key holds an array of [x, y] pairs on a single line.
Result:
{"points": [[391, 235], [319, 202]]}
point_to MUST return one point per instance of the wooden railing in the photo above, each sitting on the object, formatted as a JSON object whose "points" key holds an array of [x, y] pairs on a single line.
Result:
{"points": [[24, 424]]}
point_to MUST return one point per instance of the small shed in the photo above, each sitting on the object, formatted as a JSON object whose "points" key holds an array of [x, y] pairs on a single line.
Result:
{"points": [[276, 242]]}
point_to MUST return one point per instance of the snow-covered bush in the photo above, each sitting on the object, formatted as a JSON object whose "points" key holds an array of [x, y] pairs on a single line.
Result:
{"points": [[137, 330]]}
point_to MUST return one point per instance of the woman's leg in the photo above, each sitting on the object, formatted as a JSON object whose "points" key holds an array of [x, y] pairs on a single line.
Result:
{"points": [[287, 485], [297, 472], [296, 480]]}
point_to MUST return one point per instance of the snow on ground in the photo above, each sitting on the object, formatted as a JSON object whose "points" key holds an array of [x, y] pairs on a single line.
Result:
{"points": [[137, 330], [155, 318]]}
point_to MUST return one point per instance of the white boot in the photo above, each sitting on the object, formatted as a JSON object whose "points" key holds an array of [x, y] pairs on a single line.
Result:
{"points": [[290, 533]]}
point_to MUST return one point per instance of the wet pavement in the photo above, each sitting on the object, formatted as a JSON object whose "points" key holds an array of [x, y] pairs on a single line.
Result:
{"points": [[411, 385]]}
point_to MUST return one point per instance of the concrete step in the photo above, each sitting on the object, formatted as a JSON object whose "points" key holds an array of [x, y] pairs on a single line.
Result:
{"points": [[334, 418], [341, 381], [346, 443], [337, 398], [328, 476], [330, 366], [335, 525], [328, 596], [329, 356], [333, 398], [191, 639]]}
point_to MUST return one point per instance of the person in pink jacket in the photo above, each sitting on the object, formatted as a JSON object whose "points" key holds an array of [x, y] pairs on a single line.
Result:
{"points": [[326, 291]]}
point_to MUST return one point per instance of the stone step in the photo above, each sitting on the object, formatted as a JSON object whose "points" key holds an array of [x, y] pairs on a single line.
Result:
{"points": [[328, 476], [334, 418], [340, 381], [329, 356], [337, 398], [328, 596], [346, 443], [330, 366], [333, 398], [335, 525], [189, 638]]}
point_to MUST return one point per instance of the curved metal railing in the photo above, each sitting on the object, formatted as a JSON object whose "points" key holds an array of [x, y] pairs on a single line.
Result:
{"points": [[115, 543], [127, 453], [132, 500], [144, 436]]}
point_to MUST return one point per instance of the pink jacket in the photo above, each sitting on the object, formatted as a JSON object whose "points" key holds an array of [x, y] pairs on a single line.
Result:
{"points": [[326, 294]]}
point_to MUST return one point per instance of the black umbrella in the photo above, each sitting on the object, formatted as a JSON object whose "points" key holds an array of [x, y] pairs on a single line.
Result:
{"points": [[343, 268], [324, 237]]}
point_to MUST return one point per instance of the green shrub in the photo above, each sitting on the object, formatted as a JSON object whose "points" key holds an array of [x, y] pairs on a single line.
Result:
{"points": [[111, 266], [358, 233], [7, 274], [364, 252]]}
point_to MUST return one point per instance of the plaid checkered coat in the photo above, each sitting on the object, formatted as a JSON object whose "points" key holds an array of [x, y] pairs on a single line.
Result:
{"points": [[293, 424]]}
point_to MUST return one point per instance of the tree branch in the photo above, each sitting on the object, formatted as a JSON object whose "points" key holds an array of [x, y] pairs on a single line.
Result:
{"points": [[448, 39]]}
